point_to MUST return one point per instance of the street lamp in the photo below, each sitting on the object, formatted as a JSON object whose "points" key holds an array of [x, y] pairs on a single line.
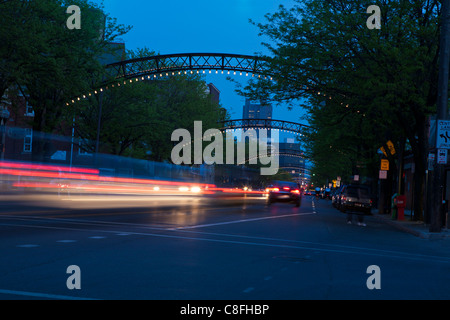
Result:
{"points": [[4, 116]]}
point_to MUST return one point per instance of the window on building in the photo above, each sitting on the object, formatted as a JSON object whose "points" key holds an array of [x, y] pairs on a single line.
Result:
{"points": [[29, 112], [28, 140]]}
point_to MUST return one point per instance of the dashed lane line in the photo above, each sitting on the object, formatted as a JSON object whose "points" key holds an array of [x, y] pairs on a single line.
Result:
{"points": [[248, 290], [240, 221], [27, 246], [41, 295]]}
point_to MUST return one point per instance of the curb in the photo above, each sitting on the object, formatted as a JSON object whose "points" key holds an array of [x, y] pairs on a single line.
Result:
{"points": [[418, 233]]}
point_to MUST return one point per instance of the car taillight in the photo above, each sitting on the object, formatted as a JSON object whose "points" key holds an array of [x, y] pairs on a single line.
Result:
{"points": [[344, 198], [295, 191], [276, 189], [286, 188]]}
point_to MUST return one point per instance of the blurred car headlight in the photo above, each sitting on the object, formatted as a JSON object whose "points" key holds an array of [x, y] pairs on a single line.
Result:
{"points": [[196, 189]]}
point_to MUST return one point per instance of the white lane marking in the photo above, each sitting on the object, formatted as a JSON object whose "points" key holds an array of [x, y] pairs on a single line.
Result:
{"points": [[248, 290], [240, 221], [123, 234], [27, 246], [41, 295], [82, 222], [344, 250], [268, 278], [97, 237]]}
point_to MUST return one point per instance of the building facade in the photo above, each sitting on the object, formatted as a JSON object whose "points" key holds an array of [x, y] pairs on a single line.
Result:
{"points": [[292, 160], [256, 110]]}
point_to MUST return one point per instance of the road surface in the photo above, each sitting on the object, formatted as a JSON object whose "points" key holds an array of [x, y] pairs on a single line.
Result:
{"points": [[207, 249]]}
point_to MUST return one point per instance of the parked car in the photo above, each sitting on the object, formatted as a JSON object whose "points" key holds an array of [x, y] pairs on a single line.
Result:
{"points": [[355, 198], [284, 191]]}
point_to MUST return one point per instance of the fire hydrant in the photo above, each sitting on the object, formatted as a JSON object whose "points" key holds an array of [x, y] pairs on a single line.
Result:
{"points": [[401, 204]]}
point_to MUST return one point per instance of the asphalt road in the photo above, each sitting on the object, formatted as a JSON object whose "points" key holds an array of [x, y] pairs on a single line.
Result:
{"points": [[192, 248]]}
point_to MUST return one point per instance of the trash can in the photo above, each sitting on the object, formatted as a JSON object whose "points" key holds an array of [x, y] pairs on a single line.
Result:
{"points": [[394, 206], [401, 204]]}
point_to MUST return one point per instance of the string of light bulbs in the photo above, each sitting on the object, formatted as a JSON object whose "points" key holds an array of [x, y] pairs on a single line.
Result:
{"points": [[150, 77], [162, 74]]}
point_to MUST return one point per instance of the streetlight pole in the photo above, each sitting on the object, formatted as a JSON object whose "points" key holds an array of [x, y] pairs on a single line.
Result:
{"points": [[99, 122], [437, 195]]}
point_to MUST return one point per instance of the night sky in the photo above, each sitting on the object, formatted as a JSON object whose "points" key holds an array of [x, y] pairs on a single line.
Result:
{"points": [[216, 26]]}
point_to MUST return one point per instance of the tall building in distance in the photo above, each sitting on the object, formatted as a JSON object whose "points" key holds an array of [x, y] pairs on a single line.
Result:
{"points": [[213, 92], [291, 159], [254, 110]]}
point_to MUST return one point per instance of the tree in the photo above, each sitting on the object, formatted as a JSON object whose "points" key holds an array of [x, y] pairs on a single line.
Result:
{"points": [[48, 62], [138, 118], [383, 81], [16, 40]]}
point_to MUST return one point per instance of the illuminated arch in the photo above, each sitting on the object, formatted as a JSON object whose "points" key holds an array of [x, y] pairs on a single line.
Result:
{"points": [[172, 64], [287, 126], [154, 67]]}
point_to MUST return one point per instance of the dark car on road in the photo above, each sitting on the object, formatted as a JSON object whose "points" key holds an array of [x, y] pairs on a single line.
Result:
{"points": [[355, 198], [284, 191]]}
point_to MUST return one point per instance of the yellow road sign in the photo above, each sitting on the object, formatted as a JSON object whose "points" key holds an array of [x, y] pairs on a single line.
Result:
{"points": [[385, 165], [391, 148]]}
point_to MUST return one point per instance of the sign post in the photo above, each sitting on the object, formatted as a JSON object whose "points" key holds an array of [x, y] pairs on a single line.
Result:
{"points": [[443, 134], [437, 194], [442, 156], [384, 165]]}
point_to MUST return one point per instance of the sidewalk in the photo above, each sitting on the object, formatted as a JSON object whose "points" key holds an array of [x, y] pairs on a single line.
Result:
{"points": [[417, 228]]}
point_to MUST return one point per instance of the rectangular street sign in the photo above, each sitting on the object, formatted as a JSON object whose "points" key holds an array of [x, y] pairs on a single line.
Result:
{"points": [[383, 174], [385, 165], [442, 156], [443, 134]]}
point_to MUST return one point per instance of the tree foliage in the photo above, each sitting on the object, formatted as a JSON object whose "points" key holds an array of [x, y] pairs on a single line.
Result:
{"points": [[48, 62], [361, 87], [138, 119]]}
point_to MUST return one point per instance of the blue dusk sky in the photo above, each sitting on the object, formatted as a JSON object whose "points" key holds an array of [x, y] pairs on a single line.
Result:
{"points": [[213, 26]]}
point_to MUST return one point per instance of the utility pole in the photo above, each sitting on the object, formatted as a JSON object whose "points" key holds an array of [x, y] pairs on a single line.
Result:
{"points": [[4, 116], [437, 195]]}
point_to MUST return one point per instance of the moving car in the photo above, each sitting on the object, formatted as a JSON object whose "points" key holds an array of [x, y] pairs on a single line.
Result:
{"points": [[355, 198], [284, 191], [326, 193]]}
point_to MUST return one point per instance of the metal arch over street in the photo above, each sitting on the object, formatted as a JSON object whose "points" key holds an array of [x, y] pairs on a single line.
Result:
{"points": [[154, 67], [296, 128], [169, 64], [286, 152]]}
